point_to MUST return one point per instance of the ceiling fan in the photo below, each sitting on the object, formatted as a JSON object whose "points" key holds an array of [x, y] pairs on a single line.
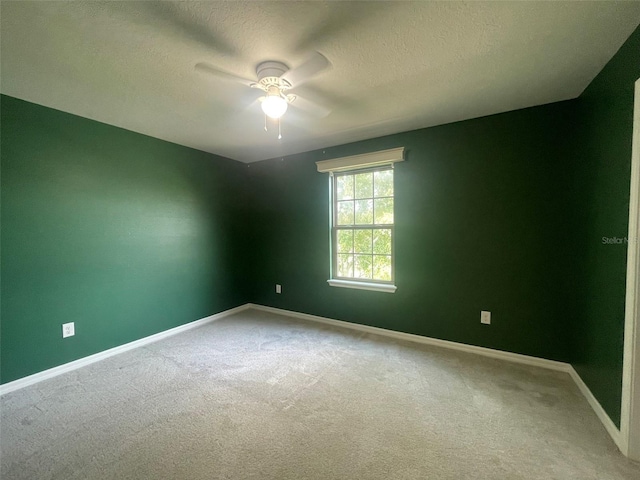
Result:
{"points": [[275, 79]]}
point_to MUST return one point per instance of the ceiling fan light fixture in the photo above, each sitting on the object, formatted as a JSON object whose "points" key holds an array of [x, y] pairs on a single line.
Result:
{"points": [[274, 106]]}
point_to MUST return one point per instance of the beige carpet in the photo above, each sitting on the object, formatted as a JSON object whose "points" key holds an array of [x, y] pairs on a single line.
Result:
{"points": [[260, 396]]}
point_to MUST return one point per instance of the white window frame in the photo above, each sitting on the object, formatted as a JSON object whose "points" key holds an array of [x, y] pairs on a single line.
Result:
{"points": [[368, 161]]}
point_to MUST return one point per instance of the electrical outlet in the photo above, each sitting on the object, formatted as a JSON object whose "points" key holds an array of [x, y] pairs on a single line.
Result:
{"points": [[278, 288], [485, 317], [68, 329]]}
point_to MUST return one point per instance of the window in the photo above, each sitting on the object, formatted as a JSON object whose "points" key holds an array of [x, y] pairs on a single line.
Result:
{"points": [[362, 220], [362, 230]]}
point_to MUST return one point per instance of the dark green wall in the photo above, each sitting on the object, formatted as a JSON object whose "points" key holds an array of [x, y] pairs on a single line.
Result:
{"points": [[601, 207], [481, 207], [123, 234]]}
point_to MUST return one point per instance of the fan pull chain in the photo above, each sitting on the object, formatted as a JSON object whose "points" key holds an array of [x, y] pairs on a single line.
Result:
{"points": [[279, 127]]}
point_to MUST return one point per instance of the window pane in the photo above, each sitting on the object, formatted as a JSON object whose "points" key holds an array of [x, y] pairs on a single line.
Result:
{"points": [[364, 212], [345, 213], [384, 211], [383, 182], [344, 185], [364, 185], [345, 265], [363, 266], [345, 241], [382, 267], [363, 223], [382, 241], [362, 242]]}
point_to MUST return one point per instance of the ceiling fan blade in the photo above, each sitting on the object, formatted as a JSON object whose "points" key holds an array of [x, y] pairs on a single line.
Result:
{"points": [[310, 107], [314, 65], [338, 19], [254, 104], [211, 70], [172, 15]]}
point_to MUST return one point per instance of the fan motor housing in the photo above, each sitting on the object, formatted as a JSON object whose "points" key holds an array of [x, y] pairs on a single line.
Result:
{"points": [[269, 73]]}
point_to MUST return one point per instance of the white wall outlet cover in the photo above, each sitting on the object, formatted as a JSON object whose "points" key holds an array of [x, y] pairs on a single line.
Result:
{"points": [[68, 329], [485, 317], [278, 288]]}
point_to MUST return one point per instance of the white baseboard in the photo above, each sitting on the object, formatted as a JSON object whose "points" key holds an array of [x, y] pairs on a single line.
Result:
{"points": [[613, 431], [487, 352], [611, 428], [67, 367]]}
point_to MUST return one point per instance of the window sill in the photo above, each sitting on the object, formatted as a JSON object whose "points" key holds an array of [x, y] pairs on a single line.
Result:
{"points": [[376, 287]]}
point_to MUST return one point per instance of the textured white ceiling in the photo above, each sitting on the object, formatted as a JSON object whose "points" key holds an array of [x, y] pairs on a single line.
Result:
{"points": [[396, 66]]}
